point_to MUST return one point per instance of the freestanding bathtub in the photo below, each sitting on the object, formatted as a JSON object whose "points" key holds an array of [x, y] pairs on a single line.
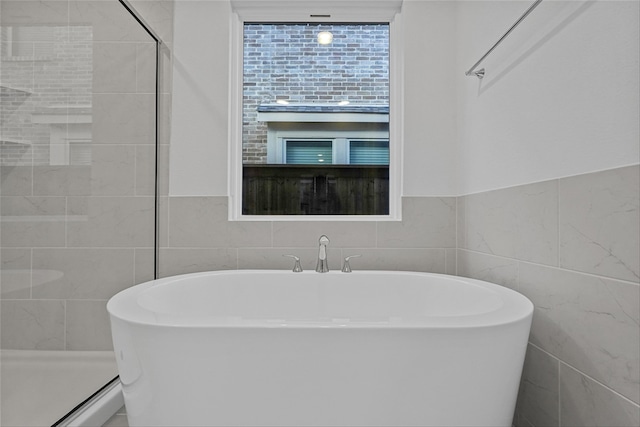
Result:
{"points": [[277, 348]]}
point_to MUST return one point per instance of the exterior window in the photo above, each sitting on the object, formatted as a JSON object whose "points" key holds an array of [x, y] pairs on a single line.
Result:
{"points": [[311, 133], [309, 152], [364, 152], [337, 151]]}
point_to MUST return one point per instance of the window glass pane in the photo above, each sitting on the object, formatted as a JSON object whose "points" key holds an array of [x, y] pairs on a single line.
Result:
{"points": [[309, 152], [369, 153], [305, 99]]}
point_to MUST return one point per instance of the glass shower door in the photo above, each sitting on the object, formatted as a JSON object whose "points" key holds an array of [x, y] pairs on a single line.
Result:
{"points": [[77, 195]]}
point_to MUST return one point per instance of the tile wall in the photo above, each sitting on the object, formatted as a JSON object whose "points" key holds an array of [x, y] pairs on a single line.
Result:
{"points": [[200, 238], [73, 235], [570, 245]]}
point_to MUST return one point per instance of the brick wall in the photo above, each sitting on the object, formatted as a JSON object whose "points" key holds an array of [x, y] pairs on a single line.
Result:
{"points": [[53, 72], [285, 61]]}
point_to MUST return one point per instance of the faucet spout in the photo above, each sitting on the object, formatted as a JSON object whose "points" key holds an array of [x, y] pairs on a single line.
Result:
{"points": [[322, 266]]}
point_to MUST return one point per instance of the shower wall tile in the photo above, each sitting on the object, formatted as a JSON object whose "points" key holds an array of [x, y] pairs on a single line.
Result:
{"points": [[584, 402], [16, 180], [574, 317], [32, 324], [32, 221], [145, 169], [182, 261], [519, 222], [477, 265], [114, 67], [600, 223], [110, 222], [538, 394], [113, 170], [88, 326], [109, 20], [123, 118], [414, 259], [61, 180], [144, 265], [202, 222], [83, 273], [304, 234], [145, 79], [15, 273], [426, 222], [159, 14], [34, 12]]}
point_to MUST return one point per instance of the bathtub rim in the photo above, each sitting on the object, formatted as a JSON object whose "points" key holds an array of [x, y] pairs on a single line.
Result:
{"points": [[127, 301]]}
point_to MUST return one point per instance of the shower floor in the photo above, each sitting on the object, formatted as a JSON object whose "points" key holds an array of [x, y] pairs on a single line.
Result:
{"points": [[37, 388]]}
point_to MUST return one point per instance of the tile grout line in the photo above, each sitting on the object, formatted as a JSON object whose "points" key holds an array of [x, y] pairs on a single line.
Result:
{"points": [[560, 361]]}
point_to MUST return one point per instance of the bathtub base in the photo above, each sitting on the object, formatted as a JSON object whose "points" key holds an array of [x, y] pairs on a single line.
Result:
{"points": [[332, 377]]}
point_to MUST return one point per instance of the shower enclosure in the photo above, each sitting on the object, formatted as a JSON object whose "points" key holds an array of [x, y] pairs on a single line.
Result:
{"points": [[82, 98]]}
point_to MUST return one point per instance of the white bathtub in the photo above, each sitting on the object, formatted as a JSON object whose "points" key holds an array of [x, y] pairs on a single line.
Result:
{"points": [[276, 348]]}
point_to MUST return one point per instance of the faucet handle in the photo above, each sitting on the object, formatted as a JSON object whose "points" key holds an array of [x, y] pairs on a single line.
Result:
{"points": [[297, 268], [346, 267]]}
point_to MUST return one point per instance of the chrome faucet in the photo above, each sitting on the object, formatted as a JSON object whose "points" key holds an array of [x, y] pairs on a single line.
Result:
{"points": [[323, 265]]}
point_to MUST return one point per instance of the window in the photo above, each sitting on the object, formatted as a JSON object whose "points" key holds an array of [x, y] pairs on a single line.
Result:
{"points": [[339, 151], [315, 114]]}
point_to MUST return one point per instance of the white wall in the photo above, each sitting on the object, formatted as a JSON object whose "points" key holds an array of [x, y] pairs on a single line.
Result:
{"points": [[200, 98], [200, 102], [560, 95]]}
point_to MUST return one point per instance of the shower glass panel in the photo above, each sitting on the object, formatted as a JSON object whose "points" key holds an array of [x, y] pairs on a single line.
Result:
{"points": [[77, 195]]}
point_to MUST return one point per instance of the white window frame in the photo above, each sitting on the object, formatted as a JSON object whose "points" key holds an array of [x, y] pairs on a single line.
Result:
{"points": [[342, 11]]}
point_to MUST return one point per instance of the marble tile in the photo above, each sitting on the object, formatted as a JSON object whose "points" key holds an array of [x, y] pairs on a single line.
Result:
{"points": [[88, 326], [32, 221], [519, 222], [111, 222], [588, 322], [83, 273], [477, 265], [451, 261], [304, 234], [273, 259], [145, 79], [461, 222], [32, 325], [427, 222], [16, 180], [113, 170], [15, 273], [182, 261], [143, 265], [114, 67], [600, 223], [538, 394], [61, 180], [34, 12], [146, 169], [124, 119], [415, 259], [202, 222], [585, 402], [159, 14], [110, 20]]}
